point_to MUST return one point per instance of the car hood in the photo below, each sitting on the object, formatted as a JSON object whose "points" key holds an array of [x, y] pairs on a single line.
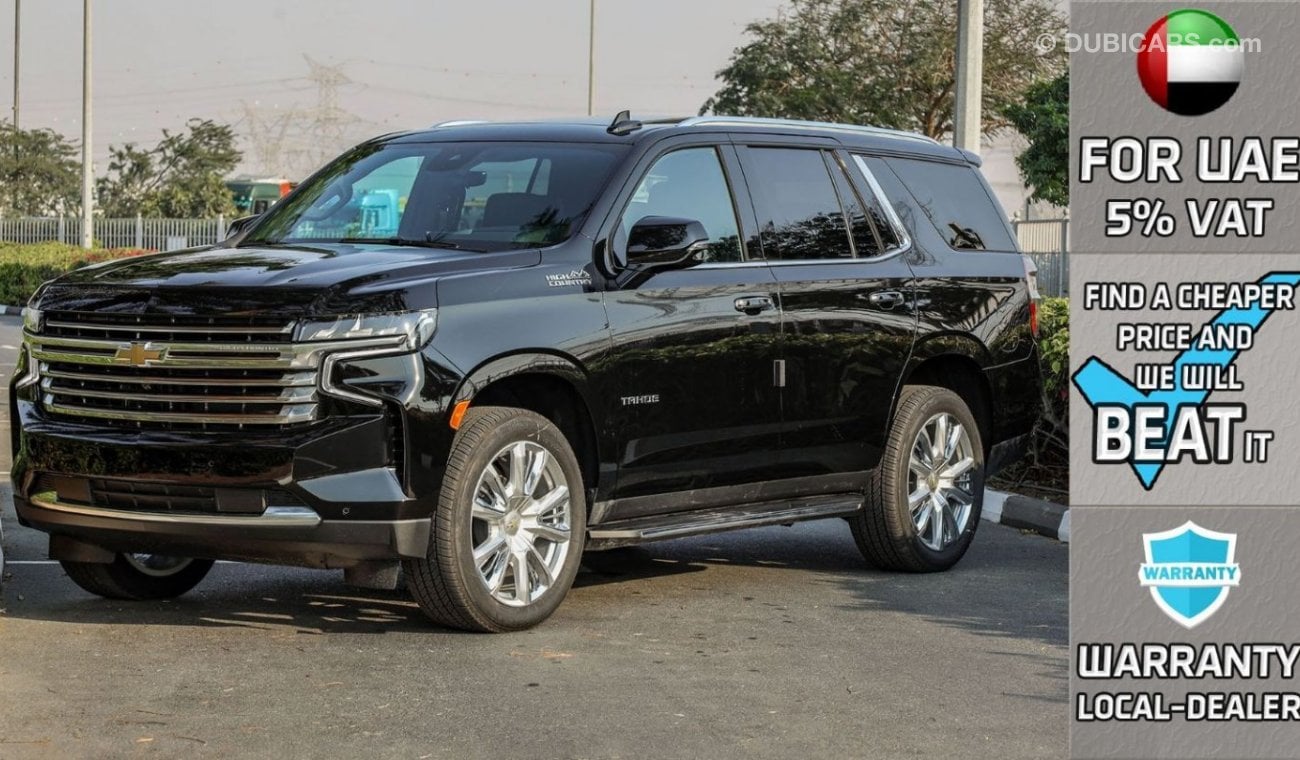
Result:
{"points": [[293, 280]]}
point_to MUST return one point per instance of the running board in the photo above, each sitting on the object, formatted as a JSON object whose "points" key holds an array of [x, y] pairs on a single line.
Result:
{"points": [[642, 530]]}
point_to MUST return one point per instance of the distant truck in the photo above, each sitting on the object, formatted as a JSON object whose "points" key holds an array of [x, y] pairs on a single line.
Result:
{"points": [[255, 196]]}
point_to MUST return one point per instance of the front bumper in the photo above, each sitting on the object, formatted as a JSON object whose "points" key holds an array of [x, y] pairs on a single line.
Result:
{"points": [[281, 535], [329, 494]]}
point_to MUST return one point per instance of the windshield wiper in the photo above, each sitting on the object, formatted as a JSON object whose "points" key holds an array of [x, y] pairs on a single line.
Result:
{"points": [[409, 243]]}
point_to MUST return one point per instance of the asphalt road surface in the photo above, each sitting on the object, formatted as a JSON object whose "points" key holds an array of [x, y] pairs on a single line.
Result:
{"points": [[776, 642]]}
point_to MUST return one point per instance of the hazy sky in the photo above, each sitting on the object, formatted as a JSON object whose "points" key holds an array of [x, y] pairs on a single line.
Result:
{"points": [[410, 63]]}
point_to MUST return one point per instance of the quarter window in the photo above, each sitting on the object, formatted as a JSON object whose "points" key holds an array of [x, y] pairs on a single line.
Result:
{"points": [[689, 184], [799, 213], [957, 202]]}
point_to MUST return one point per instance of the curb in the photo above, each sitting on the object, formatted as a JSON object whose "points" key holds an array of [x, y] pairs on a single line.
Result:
{"points": [[1016, 511]]}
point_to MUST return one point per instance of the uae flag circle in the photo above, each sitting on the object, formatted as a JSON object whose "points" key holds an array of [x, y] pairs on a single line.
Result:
{"points": [[1190, 62]]}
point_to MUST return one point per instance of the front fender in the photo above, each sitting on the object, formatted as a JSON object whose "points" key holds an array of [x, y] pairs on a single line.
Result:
{"points": [[529, 362]]}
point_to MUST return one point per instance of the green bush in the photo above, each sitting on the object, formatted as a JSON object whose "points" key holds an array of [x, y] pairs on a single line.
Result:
{"points": [[1045, 471], [1054, 348], [1053, 428], [23, 267]]}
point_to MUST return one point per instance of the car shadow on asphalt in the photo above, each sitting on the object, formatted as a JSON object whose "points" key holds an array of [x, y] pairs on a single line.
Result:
{"points": [[297, 601], [1007, 586], [283, 599]]}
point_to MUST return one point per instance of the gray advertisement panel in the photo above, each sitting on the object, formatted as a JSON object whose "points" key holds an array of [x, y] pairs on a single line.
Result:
{"points": [[1184, 420]]}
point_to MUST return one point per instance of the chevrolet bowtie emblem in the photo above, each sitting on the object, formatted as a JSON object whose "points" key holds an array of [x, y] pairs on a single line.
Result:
{"points": [[139, 354]]}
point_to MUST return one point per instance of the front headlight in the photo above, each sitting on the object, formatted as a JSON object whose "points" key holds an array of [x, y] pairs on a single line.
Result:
{"points": [[373, 335], [416, 326]]}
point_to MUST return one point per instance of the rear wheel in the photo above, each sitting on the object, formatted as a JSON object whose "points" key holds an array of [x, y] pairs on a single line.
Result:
{"points": [[509, 529], [925, 498], [139, 576]]}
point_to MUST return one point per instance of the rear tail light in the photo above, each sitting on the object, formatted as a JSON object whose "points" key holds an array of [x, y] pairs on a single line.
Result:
{"points": [[1031, 281]]}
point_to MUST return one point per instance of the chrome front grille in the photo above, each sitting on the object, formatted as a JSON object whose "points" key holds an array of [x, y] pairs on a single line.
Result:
{"points": [[178, 372]]}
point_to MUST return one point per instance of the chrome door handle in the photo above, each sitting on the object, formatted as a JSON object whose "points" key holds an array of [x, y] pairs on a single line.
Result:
{"points": [[886, 299], [754, 304]]}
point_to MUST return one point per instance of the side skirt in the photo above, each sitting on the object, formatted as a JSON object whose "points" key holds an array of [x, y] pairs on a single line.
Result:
{"points": [[642, 530]]}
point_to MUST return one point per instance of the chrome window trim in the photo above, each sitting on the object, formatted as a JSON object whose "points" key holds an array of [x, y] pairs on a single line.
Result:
{"points": [[891, 215], [801, 262], [904, 239]]}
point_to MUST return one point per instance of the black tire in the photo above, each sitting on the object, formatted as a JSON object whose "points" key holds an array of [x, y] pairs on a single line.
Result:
{"points": [[448, 584], [885, 530], [121, 579]]}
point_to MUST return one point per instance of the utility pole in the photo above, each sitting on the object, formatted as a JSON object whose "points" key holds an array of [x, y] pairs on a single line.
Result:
{"points": [[18, 22], [591, 60], [970, 74], [87, 165]]}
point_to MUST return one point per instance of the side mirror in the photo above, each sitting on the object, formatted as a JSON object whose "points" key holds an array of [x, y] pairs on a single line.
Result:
{"points": [[665, 242], [239, 226]]}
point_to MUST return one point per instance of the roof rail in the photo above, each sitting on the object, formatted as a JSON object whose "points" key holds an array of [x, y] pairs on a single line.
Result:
{"points": [[753, 121], [457, 123]]}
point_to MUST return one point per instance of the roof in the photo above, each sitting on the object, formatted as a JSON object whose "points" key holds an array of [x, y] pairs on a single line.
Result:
{"points": [[628, 131]]}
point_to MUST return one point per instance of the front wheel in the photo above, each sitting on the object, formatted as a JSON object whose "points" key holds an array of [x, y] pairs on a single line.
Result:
{"points": [[139, 576], [925, 498], [509, 528]]}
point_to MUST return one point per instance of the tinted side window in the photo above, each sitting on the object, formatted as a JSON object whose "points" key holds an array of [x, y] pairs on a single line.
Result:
{"points": [[689, 184], [954, 198], [799, 214]]}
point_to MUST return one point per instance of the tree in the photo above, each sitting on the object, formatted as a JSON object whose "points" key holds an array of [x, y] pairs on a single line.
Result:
{"points": [[40, 172], [1043, 117], [180, 177], [888, 63]]}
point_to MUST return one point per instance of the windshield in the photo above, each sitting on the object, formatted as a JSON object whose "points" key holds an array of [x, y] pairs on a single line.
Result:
{"points": [[489, 196]]}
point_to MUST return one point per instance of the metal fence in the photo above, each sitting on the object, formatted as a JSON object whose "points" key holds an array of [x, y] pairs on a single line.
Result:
{"points": [[132, 232], [1047, 241]]}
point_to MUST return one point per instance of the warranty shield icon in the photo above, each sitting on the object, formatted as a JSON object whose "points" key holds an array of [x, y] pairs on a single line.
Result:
{"points": [[1190, 570]]}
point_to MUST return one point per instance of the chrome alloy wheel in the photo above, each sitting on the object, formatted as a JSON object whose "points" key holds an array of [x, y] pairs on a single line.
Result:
{"points": [[520, 523], [157, 565], [940, 481]]}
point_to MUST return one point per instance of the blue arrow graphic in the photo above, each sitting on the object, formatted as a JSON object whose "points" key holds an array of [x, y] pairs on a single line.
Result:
{"points": [[1100, 384]]}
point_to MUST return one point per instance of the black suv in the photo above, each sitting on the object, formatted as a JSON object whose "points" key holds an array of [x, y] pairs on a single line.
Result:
{"points": [[475, 351]]}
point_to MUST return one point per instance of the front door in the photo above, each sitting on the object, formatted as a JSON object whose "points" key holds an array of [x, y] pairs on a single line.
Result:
{"points": [[690, 399]]}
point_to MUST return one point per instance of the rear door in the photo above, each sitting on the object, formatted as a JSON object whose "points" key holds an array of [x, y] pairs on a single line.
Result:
{"points": [[848, 304]]}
